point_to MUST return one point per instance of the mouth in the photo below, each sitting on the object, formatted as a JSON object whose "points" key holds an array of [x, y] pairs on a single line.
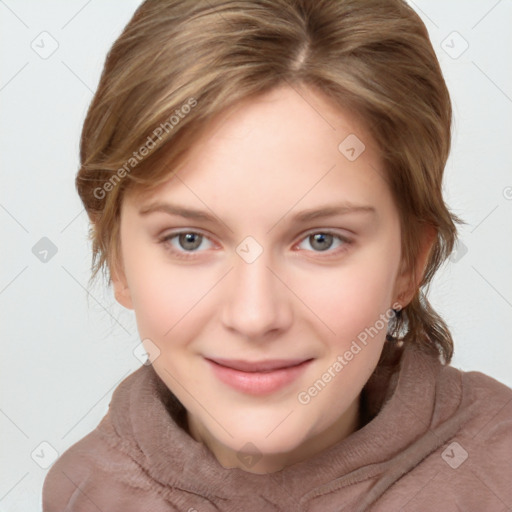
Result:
{"points": [[258, 377]]}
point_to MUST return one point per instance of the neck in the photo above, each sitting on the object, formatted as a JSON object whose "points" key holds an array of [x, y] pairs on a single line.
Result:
{"points": [[345, 425]]}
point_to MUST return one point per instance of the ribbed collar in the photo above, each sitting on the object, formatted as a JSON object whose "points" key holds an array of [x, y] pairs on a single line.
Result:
{"points": [[397, 403]]}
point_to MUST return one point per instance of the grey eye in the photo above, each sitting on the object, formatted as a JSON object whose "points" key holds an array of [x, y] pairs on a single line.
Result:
{"points": [[321, 241], [190, 241]]}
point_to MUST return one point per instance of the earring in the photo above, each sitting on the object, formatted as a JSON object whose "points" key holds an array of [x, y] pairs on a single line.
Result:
{"points": [[398, 314]]}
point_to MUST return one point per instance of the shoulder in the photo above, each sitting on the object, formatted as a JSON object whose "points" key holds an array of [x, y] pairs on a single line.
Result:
{"points": [[102, 470], [476, 461], [491, 419], [484, 404], [90, 467], [488, 399]]}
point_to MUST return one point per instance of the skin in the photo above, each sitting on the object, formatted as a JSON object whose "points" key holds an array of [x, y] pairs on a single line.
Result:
{"points": [[258, 165]]}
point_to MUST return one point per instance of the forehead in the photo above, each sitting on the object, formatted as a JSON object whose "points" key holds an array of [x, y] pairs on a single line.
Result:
{"points": [[300, 116], [274, 151]]}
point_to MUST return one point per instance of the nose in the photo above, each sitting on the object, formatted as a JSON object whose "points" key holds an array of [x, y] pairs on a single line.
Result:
{"points": [[257, 304]]}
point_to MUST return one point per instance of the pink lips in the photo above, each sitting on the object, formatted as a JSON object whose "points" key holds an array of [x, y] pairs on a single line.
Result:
{"points": [[260, 377]]}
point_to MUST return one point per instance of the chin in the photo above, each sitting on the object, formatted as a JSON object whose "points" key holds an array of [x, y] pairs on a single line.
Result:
{"points": [[269, 435]]}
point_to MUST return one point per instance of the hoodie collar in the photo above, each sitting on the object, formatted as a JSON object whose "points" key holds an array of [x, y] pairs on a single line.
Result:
{"points": [[397, 406]]}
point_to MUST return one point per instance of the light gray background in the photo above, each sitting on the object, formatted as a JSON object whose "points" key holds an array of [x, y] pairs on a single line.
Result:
{"points": [[64, 350]]}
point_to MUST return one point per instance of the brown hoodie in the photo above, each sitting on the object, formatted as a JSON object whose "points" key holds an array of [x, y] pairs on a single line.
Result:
{"points": [[433, 438]]}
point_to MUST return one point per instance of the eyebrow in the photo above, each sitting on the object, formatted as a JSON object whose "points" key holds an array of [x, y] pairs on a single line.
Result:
{"points": [[303, 216]]}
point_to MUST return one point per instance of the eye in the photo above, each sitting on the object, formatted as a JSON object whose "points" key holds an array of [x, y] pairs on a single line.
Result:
{"points": [[185, 242], [323, 241]]}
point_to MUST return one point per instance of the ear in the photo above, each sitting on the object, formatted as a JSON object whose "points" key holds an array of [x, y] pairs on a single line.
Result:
{"points": [[120, 285], [409, 279]]}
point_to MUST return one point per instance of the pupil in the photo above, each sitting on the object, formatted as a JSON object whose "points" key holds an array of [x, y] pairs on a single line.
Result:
{"points": [[322, 238], [189, 240]]}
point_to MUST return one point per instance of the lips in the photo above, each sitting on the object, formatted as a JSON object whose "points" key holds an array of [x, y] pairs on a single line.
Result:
{"points": [[257, 377], [268, 365]]}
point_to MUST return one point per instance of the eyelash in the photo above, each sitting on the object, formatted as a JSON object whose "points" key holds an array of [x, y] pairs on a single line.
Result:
{"points": [[187, 255]]}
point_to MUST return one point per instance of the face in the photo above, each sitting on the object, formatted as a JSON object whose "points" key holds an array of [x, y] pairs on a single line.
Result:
{"points": [[264, 273]]}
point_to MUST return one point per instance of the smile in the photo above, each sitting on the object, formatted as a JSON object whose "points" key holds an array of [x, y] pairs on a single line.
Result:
{"points": [[260, 377]]}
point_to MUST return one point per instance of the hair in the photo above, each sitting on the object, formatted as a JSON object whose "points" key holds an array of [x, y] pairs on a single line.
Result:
{"points": [[179, 63]]}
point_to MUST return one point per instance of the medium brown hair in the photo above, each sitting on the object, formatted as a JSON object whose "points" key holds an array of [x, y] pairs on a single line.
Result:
{"points": [[179, 63]]}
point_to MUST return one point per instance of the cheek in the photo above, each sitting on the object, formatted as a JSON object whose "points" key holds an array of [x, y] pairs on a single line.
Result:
{"points": [[169, 300], [351, 298]]}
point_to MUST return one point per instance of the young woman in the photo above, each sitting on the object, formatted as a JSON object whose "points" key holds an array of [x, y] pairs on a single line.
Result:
{"points": [[264, 184]]}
